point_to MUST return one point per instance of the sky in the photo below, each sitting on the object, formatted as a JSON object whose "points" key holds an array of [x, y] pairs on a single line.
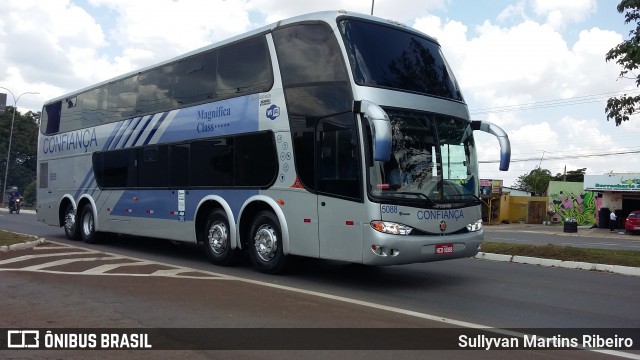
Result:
{"points": [[536, 68]]}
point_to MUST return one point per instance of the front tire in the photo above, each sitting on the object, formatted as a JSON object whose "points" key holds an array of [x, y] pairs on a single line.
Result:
{"points": [[265, 244], [71, 228], [216, 237], [87, 225]]}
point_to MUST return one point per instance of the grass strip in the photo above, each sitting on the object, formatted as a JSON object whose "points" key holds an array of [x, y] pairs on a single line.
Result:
{"points": [[8, 238], [566, 253]]}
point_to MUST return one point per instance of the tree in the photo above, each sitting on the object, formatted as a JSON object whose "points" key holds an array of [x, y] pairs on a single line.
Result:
{"points": [[537, 181], [24, 143], [627, 55], [571, 176]]}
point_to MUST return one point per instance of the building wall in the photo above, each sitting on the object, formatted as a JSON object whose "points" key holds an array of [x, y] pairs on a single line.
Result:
{"points": [[516, 209], [570, 200]]}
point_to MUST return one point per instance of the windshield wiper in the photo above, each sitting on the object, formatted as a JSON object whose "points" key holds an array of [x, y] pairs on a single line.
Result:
{"points": [[461, 196], [418, 194]]}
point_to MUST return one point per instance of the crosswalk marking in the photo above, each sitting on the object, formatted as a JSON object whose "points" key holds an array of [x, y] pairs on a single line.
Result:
{"points": [[61, 262], [30, 257], [108, 267], [87, 256]]}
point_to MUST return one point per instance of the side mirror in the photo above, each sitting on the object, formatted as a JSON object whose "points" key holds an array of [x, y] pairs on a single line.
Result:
{"points": [[503, 139], [380, 127]]}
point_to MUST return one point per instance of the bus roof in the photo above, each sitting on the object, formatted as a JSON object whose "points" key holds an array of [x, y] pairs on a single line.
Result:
{"points": [[328, 16]]}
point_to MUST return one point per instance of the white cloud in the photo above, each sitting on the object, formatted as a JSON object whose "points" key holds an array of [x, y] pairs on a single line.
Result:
{"points": [[560, 13], [521, 55]]}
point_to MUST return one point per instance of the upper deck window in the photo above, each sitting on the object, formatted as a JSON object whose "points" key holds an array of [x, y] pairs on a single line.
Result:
{"points": [[388, 57]]}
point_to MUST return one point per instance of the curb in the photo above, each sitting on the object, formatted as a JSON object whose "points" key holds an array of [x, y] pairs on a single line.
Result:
{"points": [[24, 245], [615, 269]]}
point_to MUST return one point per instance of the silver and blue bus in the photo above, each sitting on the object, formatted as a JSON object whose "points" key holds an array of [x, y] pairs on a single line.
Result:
{"points": [[332, 135]]}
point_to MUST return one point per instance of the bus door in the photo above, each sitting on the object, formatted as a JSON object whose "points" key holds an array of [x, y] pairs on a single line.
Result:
{"points": [[340, 207]]}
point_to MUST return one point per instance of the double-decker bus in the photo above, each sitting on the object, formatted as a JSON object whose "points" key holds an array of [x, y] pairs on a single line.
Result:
{"points": [[332, 135]]}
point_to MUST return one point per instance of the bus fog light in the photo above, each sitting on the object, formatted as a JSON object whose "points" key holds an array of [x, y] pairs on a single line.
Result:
{"points": [[388, 227], [378, 250], [476, 226]]}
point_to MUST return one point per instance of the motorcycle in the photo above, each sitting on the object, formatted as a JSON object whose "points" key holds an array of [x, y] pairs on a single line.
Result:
{"points": [[14, 205]]}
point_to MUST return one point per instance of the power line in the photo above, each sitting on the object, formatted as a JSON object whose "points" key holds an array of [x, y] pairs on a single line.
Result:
{"points": [[576, 156], [578, 100]]}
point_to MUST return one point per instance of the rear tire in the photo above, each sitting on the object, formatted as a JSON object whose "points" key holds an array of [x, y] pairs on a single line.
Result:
{"points": [[71, 228], [216, 237], [265, 244], [87, 226]]}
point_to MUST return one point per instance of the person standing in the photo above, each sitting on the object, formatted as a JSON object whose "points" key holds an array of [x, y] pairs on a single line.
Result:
{"points": [[612, 220], [399, 175]]}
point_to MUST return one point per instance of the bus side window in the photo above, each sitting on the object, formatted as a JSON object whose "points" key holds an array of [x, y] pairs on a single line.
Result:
{"points": [[51, 118], [244, 68], [338, 156]]}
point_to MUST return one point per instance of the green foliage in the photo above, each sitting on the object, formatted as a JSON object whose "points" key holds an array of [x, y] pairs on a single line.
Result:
{"points": [[29, 194], [23, 161], [537, 181], [627, 55], [571, 176]]}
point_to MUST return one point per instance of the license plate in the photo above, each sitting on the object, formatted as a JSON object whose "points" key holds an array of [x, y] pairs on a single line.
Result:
{"points": [[636, 227], [442, 249]]}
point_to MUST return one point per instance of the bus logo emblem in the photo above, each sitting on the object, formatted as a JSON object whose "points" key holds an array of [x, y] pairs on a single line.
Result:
{"points": [[443, 226], [273, 112]]}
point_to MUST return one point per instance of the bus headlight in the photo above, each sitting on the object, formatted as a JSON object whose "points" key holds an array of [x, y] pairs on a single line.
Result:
{"points": [[388, 227], [476, 226]]}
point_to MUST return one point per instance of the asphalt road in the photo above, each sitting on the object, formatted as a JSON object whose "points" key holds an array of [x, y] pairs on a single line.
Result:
{"points": [[317, 293]]}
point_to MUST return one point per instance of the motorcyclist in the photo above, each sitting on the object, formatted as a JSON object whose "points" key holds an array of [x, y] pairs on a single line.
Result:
{"points": [[14, 195]]}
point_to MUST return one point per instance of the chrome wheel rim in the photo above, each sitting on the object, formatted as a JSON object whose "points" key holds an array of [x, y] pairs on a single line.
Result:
{"points": [[218, 237], [70, 221], [87, 223], [266, 242]]}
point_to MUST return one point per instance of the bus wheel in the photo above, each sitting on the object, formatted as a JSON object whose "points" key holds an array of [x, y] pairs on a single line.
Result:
{"points": [[265, 244], [87, 225], [217, 239], [71, 229]]}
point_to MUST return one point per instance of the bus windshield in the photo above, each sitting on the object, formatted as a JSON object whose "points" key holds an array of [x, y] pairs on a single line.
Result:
{"points": [[433, 160], [388, 57]]}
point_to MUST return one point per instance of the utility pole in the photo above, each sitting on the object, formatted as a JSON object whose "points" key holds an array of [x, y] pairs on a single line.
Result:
{"points": [[372, 3], [13, 118]]}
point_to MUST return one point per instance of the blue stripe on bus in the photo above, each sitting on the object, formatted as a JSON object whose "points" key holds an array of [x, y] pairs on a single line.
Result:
{"points": [[155, 128], [119, 136], [133, 129], [87, 178], [163, 204], [107, 144], [142, 129]]}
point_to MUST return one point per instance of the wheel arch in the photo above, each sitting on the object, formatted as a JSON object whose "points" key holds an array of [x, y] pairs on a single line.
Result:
{"points": [[248, 212], [205, 206], [66, 200], [87, 199]]}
